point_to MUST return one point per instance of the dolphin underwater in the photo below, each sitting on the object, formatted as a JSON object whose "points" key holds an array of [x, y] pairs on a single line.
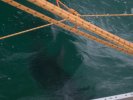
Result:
{"points": [[56, 63], [54, 67]]}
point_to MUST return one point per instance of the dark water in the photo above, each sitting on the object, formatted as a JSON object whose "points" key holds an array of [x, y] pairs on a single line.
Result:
{"points": [[54, 64]]}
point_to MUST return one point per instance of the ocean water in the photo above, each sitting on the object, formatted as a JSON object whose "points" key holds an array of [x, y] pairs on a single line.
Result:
{"points": [[54, 64]]}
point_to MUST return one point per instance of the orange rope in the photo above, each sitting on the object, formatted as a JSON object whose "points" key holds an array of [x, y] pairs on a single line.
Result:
{"points": [[25, 31], [62, 25], [97, 15], [105, 15], [82, 23]]}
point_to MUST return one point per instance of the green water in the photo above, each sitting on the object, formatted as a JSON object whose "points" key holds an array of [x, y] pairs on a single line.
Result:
{"points": [[54, 64]]}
